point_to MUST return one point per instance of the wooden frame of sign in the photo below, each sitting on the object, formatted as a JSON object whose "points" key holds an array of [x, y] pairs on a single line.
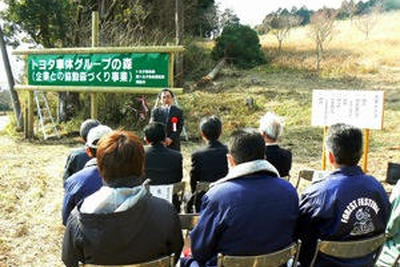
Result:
{"points": [[93, 89], [363, 109]]}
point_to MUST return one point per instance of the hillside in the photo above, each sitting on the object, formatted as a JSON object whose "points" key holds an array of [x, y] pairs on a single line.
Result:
{"points": [[30, 177]]}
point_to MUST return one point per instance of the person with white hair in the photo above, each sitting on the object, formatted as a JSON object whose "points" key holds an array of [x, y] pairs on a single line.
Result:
{"points": [[271, 127]]}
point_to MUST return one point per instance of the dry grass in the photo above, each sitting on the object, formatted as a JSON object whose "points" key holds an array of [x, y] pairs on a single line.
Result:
{"points": [[30, 177]]}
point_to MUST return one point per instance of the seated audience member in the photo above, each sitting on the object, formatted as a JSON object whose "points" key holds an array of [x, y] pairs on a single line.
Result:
{"points": [[391, 249], [271, 128], [163, 165], [251, 211], [348, 205], [208, 163], [88, 180], [122, 223], [77, 158]]}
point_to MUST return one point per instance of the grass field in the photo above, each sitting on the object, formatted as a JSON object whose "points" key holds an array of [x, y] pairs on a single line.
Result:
{"points": [[30, 173]]}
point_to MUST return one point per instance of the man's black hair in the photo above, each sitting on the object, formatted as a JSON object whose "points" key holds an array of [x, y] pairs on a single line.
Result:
{"points": [[345, 142], [155, 132], [211, 127], [246, 145], [166, 90]]}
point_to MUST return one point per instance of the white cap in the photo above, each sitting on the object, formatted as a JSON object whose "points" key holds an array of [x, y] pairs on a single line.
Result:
{"points": [[95, 134]]}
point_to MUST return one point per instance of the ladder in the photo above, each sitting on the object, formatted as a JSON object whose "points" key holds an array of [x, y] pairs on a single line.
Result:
{"points": [[44, 114]]}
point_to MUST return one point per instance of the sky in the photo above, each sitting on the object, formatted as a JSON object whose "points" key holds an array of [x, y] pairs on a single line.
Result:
{"points": [[252, 12]]}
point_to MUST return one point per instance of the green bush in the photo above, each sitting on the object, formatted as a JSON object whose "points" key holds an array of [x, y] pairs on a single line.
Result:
{"points": [[240, 45]]}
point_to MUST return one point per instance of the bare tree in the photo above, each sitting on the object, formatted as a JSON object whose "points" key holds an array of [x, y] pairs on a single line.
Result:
{"points": [[349, 7], [322, 31], [280, 24], [366, 22]]}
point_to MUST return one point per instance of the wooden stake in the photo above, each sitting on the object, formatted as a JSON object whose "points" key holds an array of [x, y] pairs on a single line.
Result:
{"points": [[30, 119], [95, 42], [171, 70], [366, 148], [323, 160]]}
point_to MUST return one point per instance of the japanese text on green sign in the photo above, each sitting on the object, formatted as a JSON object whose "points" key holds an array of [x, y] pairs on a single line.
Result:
{"points": [[128, 70]]}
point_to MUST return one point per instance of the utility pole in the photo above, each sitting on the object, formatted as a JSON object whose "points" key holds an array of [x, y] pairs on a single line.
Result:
{"points": [[13, 94]]}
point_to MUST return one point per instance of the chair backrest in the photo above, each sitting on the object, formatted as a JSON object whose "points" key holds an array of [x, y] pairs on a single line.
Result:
{"points": [[188, 220], [179, 189], [166, 191], [396, 263], [349, 249], [311, 175], [273, 259], [393, 173], [167, 261], [202, 187]]}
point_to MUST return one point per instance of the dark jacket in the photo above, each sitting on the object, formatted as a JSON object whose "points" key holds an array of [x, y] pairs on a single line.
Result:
{"points": [[348, 205], [78, 186], [161, 115], [163, 165], [209, 164], [147, 231], [249, 212], [280, 158], [75, 162]]}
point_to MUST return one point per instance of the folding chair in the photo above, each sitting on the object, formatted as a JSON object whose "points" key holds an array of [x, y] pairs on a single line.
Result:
{"points": [[188, 220], [201, 189], [392, 173], [167, 261], [306, 175], [396, 263], [311, 175], [273, 259], [179, 190], [349, 249]]}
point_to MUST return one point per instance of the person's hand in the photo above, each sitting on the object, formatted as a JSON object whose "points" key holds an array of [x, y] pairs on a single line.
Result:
{"points": [[168, 141]]}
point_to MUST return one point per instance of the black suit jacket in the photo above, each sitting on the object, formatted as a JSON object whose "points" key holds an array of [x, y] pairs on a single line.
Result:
{"points": [[280, 158], [209, 164], [163, 165], [161, 115]]}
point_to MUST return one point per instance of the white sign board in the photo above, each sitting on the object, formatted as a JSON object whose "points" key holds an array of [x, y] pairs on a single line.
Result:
{"points": [[162, 191], [363, 109]]}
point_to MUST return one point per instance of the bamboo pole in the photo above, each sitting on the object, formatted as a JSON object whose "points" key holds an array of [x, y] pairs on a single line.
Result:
{"points": [[366, 148], [95, 42], [97, 89], [323, 160]]}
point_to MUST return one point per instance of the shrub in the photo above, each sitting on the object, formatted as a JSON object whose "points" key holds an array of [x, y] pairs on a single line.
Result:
{"points": [[240, 45]]}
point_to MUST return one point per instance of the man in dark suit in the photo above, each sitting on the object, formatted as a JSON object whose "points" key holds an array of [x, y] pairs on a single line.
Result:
{"points": [[171, 116], [163, 165], [271, 128], [208, 163]]}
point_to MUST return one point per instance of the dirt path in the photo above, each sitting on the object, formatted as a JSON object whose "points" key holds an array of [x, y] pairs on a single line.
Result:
{"points": [[30, 202]]}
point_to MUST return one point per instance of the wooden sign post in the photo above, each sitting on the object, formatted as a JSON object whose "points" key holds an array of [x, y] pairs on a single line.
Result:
{"points": [[363, 109]]}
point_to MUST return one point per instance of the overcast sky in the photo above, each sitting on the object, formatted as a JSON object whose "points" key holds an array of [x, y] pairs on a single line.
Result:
{"points": [[252, 12]]}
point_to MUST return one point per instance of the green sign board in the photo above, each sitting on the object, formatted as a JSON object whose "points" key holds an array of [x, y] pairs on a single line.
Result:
{"points": [[126, 70]]}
